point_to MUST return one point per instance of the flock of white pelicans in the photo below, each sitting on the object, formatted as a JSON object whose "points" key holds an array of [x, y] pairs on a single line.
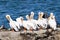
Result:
{"points": [[32, 24]]}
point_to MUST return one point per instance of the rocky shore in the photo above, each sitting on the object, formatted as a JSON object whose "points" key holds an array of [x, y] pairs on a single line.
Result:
{"points": [[30, 35]]}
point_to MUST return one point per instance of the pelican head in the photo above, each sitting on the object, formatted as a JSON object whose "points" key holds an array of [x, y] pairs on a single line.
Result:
{"points": [[27, 17], [51, 14], [32, 15], [41, 14], [8, 17], [21, 18]]}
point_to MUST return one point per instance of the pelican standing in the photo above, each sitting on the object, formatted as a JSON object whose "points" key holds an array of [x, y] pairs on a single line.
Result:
{"points": [[13, 24], [20, 22], [25, 23], [41, 21], [52, 21], [33, 20], [29, 25]]}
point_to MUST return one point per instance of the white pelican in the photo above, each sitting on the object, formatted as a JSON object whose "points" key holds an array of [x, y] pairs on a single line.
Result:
{"points": [[13, 24], [27, 24], [23, 23], [41, 21], [20, 21], [52, 21], [32, 15], [33, 20]]}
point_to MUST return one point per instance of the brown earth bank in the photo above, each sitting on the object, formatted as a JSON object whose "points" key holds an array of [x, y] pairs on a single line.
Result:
{"points": [[30, 35]]}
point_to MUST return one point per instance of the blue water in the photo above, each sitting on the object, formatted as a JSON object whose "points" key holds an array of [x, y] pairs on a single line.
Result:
{"points": [[17, 8]]}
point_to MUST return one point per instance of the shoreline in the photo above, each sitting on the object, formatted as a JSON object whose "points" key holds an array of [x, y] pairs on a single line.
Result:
{"points": [[26, 35], [9, 35]]}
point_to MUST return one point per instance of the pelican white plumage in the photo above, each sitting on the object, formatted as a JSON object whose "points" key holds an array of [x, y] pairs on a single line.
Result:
{"points": [[52, 21], [20, 21], [41, 21], [13, 24], [32, 15], [33, 20], [45, 21], [27, 24]]}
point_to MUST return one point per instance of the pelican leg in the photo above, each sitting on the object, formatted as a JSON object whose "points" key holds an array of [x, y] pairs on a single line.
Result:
{"points": [[41, 27], [31, 29], [12, 29], [21, 28], [25, 29]]}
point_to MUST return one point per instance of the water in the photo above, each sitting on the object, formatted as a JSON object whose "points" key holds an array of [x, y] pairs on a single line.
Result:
{"points": [[17, 8]]}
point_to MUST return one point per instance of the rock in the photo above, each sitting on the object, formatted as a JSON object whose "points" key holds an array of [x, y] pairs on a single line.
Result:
{"points": [[29, 35]]}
